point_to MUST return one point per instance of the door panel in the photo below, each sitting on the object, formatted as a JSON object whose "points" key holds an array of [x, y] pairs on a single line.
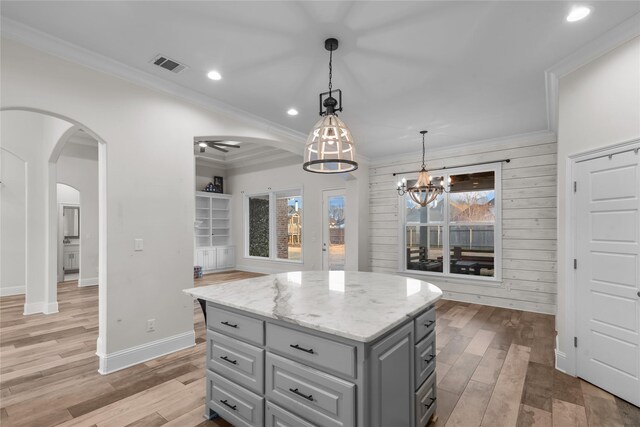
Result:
{"points": [[333, 235], [607, 207]]}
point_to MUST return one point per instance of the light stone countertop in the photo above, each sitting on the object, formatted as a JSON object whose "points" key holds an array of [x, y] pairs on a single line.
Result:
{"points": [[355, 305]]}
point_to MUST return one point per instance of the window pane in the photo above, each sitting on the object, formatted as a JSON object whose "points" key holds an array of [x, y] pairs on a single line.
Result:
{"points": [[424, 248], [259, 226], [433, 212], [472, 197], [289, 226], [472, 249]]}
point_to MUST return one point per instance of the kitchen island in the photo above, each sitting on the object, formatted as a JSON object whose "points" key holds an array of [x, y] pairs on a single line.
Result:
{"points": [[321, 349]]}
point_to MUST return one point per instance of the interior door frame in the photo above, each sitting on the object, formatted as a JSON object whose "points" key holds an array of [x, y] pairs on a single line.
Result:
{"points": [[568, 362], [325, 224]]}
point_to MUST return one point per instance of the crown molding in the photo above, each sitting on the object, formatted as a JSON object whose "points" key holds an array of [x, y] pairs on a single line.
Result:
{"points": [[71, 52], [610, 40]]}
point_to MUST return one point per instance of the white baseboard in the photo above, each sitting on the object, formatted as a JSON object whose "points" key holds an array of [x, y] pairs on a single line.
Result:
{"points": [[132, 356], [50, 308], [33, 308], [91, 281], [561, 362], [11, 290], [40, 307]]}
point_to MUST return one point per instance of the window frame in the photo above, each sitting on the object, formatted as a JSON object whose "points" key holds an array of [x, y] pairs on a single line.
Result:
{"points": [[273, 244], [446, 223]]}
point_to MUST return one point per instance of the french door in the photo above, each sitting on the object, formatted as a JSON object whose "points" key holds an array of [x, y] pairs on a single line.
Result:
{"points": [[333, 234], [607, 208]]}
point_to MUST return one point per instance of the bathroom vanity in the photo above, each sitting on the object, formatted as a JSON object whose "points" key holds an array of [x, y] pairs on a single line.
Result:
{"points": [[321, 349]]}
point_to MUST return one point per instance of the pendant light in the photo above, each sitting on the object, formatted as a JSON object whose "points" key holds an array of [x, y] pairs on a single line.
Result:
{"points": [[423, 192], [330, 147]]}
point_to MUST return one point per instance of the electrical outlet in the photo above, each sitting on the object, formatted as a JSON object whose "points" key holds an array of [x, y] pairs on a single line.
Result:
{"points": [[151, 325]]}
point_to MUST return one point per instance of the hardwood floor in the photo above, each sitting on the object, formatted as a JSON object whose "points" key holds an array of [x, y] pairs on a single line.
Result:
{"points": [[495, 368]]}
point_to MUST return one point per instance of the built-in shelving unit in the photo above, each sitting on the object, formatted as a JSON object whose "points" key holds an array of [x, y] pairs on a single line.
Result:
{"points": [[212, 232]]}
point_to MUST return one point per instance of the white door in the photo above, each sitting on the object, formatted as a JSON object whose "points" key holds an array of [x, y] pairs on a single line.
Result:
{"points": [[333, 234], [607, 274]]}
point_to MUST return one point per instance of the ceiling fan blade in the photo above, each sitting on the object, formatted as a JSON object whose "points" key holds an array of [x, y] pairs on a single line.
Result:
{"points": [[221, 144], [218, 148]]}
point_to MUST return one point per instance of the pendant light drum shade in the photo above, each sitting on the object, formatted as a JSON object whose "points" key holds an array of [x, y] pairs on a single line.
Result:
{"points": [[330, 147]]}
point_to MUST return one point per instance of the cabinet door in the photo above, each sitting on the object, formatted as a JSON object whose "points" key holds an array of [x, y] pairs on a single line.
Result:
{"points": [[392, 379], [210, 261], [67, 261], [200, 258], [222, 257]]}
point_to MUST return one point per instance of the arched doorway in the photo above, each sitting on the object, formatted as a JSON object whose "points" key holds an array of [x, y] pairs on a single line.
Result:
{"points": [[39, 137]]}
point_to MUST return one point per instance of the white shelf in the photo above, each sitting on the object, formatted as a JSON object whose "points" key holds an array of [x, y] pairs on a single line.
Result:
{"points": [[212, 215]]}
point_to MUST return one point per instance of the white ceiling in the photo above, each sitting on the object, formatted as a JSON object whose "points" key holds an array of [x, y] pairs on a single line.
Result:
{"points": [[466, 71]]}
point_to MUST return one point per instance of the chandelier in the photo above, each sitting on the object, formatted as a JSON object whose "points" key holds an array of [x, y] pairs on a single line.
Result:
{"points": [[330, 147], [423, 192]]}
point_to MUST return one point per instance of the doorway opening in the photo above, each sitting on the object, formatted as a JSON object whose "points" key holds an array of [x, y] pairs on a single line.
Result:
{"points": [[68, 233]]}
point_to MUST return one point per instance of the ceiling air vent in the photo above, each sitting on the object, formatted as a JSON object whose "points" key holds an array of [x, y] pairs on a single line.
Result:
{"points": [[168, 64]]}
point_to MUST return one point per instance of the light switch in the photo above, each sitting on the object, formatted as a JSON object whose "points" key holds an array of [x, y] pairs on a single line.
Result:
{"points": [[138, 244]]}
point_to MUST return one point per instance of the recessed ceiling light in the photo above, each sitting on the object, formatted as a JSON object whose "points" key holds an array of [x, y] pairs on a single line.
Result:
{"points": [[578, 13], [292, 112], [214, 75], [203, 144]]}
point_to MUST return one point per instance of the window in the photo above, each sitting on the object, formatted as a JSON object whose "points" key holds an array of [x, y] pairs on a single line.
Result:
{"points": [[458, 233], [274, 225]]}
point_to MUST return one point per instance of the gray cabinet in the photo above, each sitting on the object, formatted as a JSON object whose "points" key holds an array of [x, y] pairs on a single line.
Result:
{"points": [[265, 372], [392, 379]]}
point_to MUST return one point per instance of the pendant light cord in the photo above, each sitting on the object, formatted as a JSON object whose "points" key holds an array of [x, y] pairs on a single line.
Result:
{"points": [[423, 165], [330, 69]]}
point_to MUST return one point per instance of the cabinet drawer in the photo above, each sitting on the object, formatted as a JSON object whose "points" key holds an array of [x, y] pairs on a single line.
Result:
{"points": [[235, 325], [240, 362], [425, 323], [233, 403], [316, 396], [323, 353], [425, 356], [275, 416], [426, 401]]}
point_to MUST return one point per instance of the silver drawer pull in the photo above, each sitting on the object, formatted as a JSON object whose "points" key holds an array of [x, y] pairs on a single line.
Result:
{"points": [[430, 358], [231, 325], [306, 350], [428, 405], [225, 402], [226, 359], [429, 323], [295, 390]]}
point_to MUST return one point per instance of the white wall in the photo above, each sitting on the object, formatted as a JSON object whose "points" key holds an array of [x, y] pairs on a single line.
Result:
{"points": [[599, 106], [31, 137], [78, 167], [293, 176], [149, 180], [528, 220], [13, 223]]}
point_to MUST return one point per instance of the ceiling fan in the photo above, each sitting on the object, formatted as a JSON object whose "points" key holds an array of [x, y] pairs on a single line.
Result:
{"points": [[217, 145]]}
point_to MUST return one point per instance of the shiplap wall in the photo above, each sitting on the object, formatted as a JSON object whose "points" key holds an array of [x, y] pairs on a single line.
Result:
{"points": [[529, 211]]}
